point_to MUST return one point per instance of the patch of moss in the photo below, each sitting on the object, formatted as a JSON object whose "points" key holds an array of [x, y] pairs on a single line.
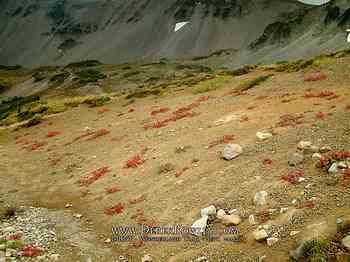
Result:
{"points": [[60, 77], [212, 84]]}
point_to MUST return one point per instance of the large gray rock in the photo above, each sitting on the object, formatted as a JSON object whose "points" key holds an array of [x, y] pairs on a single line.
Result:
{"points": [[346, 242], [231, 151]]}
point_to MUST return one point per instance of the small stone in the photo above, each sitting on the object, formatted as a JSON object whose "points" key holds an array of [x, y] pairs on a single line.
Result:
{"points": [[271, 241], [107, 241], [232, 211], [283, 210], [316, 156], [78, 216], [342, 165], [147, 258], [325, 149], [199, 226], [260, 235], [231, 151], [333, 169], [252, 220], [211, 210], [68, 205], [260, 198], [295, 159], [302, 145], [346, 242], [263, 135], [229, 220], [220, 214]]}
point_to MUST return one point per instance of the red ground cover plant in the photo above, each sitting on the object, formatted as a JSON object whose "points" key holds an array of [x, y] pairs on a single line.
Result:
{"points": [[15, 237], [316, 76], [52, 134], [138, 243], [224, 140], [35, 146], [306, 204], [320, 115], [347, 108], [160, 110], [267, 162], [131, 110], [346, 178], [322, 94], [103, 110], [30, 251], [135, 161], [293, 177], [137, 199], [181, 172], [94, 176], [291, 120], [117, 209], [112, 189], [203, 98], [264, 216]]}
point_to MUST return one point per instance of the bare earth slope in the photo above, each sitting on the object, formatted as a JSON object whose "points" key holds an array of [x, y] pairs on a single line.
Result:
{"points": [[34, 32], [50, 165]]}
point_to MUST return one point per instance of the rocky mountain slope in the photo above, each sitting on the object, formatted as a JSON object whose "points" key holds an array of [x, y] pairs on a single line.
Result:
{"points": [[38, 32]]}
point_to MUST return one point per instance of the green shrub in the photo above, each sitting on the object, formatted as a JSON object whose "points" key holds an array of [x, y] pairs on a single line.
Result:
{"points": [[4, 86], [251, 83], [316, 250], [89, 76], [60, 77], [86, 63]]}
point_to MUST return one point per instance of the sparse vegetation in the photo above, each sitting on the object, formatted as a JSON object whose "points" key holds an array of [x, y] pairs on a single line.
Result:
{"points": [[254, 82], [86, 63], [212, 84], [4, 86], [89, 76]]}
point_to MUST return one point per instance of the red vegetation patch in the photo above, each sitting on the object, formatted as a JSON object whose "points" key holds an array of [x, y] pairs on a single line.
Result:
{"points": [[316, 76], [264, 216], [103, 110], [138, 243], [322, 94], [53, 134], [35, 146], [117, 209], [137, 199], [30, 251], [293, 177], [320, 115], [135, 161], [346, 178], [112, 189], [181, 172], [131, 110], [224, 140], [306, 204], [347, 108], [160, 110], [267, 162], [203, 98], [291, 120], [15, 237], [94, 176]]}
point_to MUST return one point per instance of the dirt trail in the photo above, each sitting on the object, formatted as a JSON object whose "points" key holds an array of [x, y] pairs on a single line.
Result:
{"points": [[49, 175]]}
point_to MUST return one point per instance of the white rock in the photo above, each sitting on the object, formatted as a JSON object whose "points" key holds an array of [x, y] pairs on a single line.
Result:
{"points": [[147, 258], [107, 241], [231, 151], [232, 211], [271, 241], [283, 210], [260, 235], [263, 135], [346, 242], [260, 198], [333, 169], [220, 214], [342, 165], [54, 257], [229, 220], [252, 220], [211, 210], [304, 145], [316, 156], [198, 227]]}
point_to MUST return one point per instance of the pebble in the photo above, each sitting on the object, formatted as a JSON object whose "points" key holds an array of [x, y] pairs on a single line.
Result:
{"points": [[325, 149], [147, 258], [220, 214], [293, 233], [302, 145], [346, 242], [199, 226], [107, 241], [295, 159], [211, 210], [342, 165], [333, 169], [260, 198], [231, 151], [316, 156], [229, 220], [260, 235], [263, 135], [271, 241]]}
